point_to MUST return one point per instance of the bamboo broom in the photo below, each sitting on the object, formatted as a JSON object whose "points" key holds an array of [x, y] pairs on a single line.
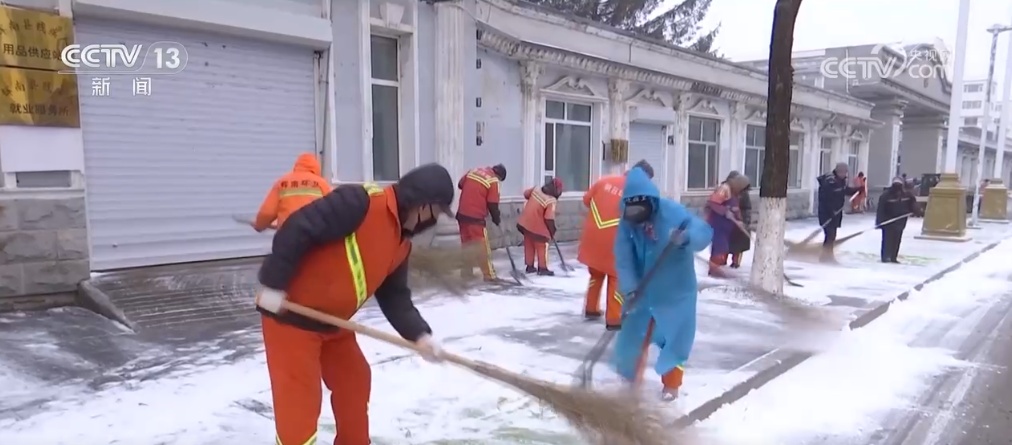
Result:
{"points": [[620, 418]]}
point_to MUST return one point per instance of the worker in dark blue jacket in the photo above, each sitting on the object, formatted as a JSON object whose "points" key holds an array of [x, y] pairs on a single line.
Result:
{"points": [[833, 196]]}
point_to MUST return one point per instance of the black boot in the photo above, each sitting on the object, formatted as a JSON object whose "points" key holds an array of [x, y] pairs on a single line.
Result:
{"points": [[530, 269], [592, 316], [546, 273], [613, 327]]}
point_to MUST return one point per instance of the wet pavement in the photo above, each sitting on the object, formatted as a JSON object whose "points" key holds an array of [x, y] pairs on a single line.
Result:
{"points": [[183, 319]]}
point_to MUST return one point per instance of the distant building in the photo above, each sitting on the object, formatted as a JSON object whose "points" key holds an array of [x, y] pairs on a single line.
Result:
{"points": [[911, 91], [972, 108]]}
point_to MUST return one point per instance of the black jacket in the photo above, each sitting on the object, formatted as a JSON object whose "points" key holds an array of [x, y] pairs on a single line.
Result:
{"points": [[740, 242], [894, 203], [329, 219], [833, 194]]}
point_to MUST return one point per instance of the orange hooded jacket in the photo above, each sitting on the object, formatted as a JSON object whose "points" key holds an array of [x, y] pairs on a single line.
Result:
{"points": [[294, 190]]}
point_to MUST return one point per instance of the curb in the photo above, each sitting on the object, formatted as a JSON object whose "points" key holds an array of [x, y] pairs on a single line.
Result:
{"points": [[779, 361]]}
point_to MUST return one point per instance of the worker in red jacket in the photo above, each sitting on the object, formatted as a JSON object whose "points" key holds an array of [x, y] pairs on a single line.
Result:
{"points": [[479, 199]]}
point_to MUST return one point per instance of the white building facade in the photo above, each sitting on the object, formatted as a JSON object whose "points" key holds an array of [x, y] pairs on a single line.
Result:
{"points": [[376, 87]]}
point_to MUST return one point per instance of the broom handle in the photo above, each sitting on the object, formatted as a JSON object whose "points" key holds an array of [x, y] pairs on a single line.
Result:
{"points": [[877, 226], [373, 333], [249, 222], [815, 232]]}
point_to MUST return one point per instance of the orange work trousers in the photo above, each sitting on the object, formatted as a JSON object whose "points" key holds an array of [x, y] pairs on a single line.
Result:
{"points": [[716, 263], [535, 249], [475, 234], [613, 304], [672, 380], [297, 360]]}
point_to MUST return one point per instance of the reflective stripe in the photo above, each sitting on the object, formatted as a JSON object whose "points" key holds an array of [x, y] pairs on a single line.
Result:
{"points": [[488, 256], [354, 255], [357, 269], [287, 193], [485, 181], [618, 298], [311, 441], [601, 223]]}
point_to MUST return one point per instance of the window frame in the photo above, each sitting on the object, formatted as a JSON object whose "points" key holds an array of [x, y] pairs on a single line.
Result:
{"points": [[854, 154], [799, 148], [715, 144], [760, 146], [373, 82], [826, 154], [554, 122]]}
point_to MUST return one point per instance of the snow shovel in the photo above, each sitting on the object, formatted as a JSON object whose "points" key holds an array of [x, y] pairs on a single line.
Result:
{"points": [[876, 227], [624, 417], [565, 267], [585, 373], [517, 276]]}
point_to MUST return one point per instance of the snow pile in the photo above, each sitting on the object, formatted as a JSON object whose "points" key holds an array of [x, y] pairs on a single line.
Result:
{"points": [[847, 390]]}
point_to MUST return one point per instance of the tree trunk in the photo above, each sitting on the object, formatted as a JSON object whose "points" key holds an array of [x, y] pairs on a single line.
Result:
{"points": [[768, 263]]}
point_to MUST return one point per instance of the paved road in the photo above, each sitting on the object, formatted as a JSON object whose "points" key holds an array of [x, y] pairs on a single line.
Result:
{"points": [[967, 406]]}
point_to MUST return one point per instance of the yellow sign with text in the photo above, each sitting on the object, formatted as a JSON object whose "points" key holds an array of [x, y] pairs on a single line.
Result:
{"points": [[39, 98], [33, 39]]}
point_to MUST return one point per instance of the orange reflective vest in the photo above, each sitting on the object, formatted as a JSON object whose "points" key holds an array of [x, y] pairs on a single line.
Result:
{"points": [[339, 277], [597, 240], [539, 207], [293, 191], [478, 189]]}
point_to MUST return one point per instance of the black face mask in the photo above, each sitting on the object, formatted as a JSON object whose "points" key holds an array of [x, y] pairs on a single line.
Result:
{"points": [[638, 213], [421, 226]]}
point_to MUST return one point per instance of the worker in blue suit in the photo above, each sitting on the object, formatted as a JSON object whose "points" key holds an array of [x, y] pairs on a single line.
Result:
{"points": [[664, 313]]}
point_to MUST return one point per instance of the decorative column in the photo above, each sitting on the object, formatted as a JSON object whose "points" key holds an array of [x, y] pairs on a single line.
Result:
{"points": [[885, 143], [450, 76], [618, 111], [529, 74]]}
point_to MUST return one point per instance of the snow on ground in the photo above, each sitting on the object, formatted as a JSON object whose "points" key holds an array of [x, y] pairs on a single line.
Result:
{"points": [[845, 391], [417, 403]]}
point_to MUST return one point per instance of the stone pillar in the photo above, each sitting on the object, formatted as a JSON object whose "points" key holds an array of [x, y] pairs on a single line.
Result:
{"points": [[885, 143], [618, 118], [945, 215], [529, 74], [450, 96]]}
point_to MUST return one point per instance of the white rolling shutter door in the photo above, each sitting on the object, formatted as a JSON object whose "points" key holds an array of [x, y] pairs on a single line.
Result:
{"points": [[166, 172], [647, 141]]}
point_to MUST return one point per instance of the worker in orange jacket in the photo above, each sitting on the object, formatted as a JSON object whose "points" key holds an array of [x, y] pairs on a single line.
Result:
{"points": [[597, 246], [479, 199], [295, 189], [337, 252], [537, 225]]}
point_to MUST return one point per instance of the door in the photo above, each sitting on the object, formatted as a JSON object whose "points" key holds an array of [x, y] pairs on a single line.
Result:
{"points": [[166, 172], [648, 141]]}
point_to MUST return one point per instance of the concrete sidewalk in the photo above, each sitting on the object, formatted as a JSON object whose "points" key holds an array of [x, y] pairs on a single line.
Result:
{"points": [[536, 329]]}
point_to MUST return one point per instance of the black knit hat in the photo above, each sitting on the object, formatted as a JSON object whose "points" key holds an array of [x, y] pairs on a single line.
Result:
{"points": [[647, 168], [500, 171], [428, 184]]}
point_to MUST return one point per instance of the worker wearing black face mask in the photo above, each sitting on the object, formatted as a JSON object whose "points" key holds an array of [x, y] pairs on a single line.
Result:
{"points": [[665, 313], [894, 203]]}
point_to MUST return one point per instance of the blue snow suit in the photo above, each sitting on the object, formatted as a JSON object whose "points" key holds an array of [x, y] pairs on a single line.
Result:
{"points": [[670, 297]]}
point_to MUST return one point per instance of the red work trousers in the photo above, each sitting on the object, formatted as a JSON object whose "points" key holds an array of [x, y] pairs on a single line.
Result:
{"points": [[613, 302], [478, 234], [535, 248], [297, 360]]}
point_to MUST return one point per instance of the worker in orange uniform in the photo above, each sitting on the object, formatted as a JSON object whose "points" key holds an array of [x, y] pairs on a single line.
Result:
{"points": [[301, 186], [332, 255], [597, 246], [537, 225], [479, 199]]}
